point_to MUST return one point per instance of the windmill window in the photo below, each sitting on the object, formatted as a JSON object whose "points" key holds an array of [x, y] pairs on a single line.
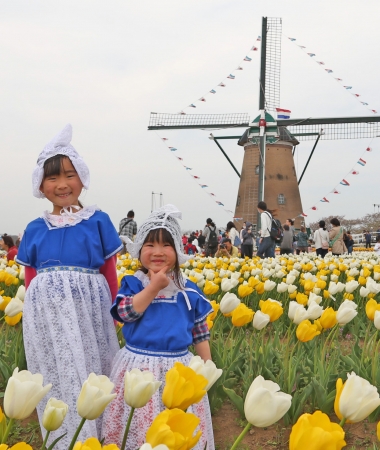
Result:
{"points": [[281, 199], [257, 169]]}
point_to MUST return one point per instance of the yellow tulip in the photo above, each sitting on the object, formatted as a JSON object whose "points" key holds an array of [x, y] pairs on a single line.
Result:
{"points": [[242, 315], [252, 281], [193, 279], [215, 307], [4, 302], [342, 267], [306, 331], [316, 432], [326, 294], [309, 285], [2, 276], [259, 288], [174, 428], [366, 272], [321, 284], [302, 299], [93, 444], [273, 308], [328, 318], [231, 268], [18, 446], [209, 322], [362, 281], [183, 387], [348, 296], [378, 424], [371, 307], [12, 321], [293, 295], [244, 290], [336, 272], [318, 324], [210, 288]]}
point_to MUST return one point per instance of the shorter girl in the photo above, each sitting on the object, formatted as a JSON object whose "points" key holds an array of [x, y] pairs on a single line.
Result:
{"points": [[163, 314]]}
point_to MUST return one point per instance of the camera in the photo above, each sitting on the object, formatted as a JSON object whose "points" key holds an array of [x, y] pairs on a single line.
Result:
{"points": [[222, 246]]}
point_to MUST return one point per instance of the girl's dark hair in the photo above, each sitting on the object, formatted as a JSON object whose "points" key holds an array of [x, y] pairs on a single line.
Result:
{"points": [[286, 227], [335, 222], [210, 222], [303, 229], [54, 166], [230, 225], [7, 240], [291, 221], [322, 224], [162, 235]]}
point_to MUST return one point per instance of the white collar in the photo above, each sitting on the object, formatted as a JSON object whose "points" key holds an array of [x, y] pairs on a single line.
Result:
{"points": [[67, 217]]}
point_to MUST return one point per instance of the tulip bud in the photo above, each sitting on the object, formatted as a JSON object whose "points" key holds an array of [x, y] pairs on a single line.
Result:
{"points": [[21, 292], [14, 307], [228, 303], [139, 387], [94, 396], [208, 369], [23, 393], [346, 312], [264, 405], [54, 414], [260, 320]]}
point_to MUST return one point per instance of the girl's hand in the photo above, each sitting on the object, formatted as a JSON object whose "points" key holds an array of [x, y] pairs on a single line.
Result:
{"points": [[159, 280]]}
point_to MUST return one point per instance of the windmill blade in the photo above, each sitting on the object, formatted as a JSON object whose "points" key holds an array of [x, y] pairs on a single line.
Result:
{"points": [[270, 64], [333, 127], [163, 121]]}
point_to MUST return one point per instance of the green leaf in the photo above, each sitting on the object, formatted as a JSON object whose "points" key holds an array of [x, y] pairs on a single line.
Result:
{"points": [[51, 446], [236, 400]]}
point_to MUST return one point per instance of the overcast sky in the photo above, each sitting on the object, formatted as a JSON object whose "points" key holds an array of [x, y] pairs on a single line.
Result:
{"points": [[104, 66]]}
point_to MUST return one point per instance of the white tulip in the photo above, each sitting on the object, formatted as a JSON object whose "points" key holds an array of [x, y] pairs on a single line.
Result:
{"points": [[333, 288], [139, 387], [300, 315], [264, 404], [208, 369], [292, 288], [340, 286], [376, 276], [266, 273], [296, 309], [210, 275], [201, 283], [269, 285], [290, 279], [235, 275], [94, 396], [346, 312], [54, 414], [247, 275], [317, 290], [21, 275], [358, 398], [157, 447], [314, 311], [351, 286], [353, 272], [377, 320], [364, 292], [334, 277], [260, 320], [314, 298], [228, 303], [226, 285], [23, 393], [14, 307], [282, 287]]}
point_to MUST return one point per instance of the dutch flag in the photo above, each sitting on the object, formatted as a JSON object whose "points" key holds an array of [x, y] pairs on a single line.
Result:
{"points": [[283, 113], [362, 162]]}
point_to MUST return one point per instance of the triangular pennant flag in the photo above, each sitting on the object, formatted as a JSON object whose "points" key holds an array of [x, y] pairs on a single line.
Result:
{"points": [[364, 103], [362, 162], [212, 194], [203, 185], [173, 149], [301, 46], [314, 208], [254, 49], [356, 95], [182, 112], [247, 58], [219, 203], [303, 215], [164, 139], [311, 54], [325, 200], [197, 178], [237, 218], [292, 39], [202, 99], [181, 159], [347, 87], [192, 106], [321, 63], [344, 183], [221, 85], [213, 91], [328, 70], [231, 77], [334, 191], [354, 172], [374, 111], [188, 168], [239, 68], [368, 149], [339, 79], [258, 38]]}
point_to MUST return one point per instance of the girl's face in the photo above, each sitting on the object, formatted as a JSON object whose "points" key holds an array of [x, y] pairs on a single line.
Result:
{"points": [[64, 189], [2, 245], [157, 255]]}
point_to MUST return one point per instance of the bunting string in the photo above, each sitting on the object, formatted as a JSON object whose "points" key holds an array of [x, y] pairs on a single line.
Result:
{"points": [[330, 72], [196, 178], [362, 161], [224, 82]]}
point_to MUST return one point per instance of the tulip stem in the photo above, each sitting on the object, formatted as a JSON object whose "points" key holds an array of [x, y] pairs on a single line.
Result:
{"points": [[45, 440], [7, 431], [342, 422], [127, 429], [73, 440], [240, 438]]}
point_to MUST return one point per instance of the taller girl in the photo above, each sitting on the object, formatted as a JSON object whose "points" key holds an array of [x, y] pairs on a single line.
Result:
{"points": [[70, 278]]}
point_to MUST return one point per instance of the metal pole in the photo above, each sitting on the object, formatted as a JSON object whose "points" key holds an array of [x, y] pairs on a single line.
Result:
{"points": [[263, 63], [311, 154], [224, 153]]}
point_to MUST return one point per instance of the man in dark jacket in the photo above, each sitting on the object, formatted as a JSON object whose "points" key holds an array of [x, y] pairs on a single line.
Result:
{"points": [[247, 241]]}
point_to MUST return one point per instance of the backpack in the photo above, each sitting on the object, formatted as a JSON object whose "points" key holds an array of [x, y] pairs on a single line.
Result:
{"points": [[276, 232], [213, 238], [237, 241], [190, 251]]}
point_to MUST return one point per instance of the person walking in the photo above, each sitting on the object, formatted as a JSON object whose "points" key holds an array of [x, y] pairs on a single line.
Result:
{"points": [[287, 241], [247, 242], [201, 240], [367, 239], [233, 234], [321, 239], [302, 244], [127, 229], [241, 240], [266, 242], [211, 234], [336, 238]]}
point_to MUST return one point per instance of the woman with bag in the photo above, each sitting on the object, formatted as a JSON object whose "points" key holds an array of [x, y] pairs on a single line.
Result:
{"points": [[321, 239], [336, 238], [233, 234]]}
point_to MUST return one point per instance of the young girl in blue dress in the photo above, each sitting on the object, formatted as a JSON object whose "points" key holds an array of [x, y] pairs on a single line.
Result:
{"points": [[163, 314], [70, 274]]}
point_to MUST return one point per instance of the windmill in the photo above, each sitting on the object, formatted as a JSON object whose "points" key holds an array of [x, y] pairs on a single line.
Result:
{"points": [[268, 171]]}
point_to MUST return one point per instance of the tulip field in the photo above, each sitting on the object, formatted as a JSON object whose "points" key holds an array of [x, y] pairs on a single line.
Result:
{"points": [[296, 336]]}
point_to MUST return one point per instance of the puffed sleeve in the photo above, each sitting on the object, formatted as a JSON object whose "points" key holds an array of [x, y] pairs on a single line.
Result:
{"points": [[24, 256], [111, 242], [202, 305], [129, 287]]}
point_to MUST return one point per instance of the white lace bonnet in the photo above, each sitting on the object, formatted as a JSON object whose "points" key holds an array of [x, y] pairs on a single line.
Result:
{"points": [[60, 145], [164, 217]]}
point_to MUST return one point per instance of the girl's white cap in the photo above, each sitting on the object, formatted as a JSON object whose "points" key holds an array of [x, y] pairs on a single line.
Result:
{"points": [[164, 217], [60, 145]]}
